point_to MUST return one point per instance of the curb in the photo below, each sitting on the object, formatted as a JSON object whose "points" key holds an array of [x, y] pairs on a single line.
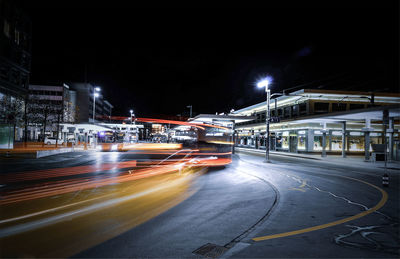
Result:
{"points": [[275, 153]]}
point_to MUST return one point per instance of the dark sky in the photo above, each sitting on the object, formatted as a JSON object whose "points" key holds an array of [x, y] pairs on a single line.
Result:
{"points": [[158, 61]]}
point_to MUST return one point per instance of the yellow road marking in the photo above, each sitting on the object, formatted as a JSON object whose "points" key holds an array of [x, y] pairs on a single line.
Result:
{"points": [[300, 188], [334, 223]]}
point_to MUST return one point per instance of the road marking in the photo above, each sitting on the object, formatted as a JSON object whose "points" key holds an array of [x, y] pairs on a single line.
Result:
{"points": [[297, 189], [334, 223], [301, 187]]}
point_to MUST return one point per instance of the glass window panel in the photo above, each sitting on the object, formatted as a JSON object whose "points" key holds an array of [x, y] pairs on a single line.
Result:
{"points": [[301, 142], [318, 143], [336, 143], [356, 143]]}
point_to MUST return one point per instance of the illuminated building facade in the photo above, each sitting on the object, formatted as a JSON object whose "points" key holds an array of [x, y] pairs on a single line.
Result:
{"points": [[303, 120]]}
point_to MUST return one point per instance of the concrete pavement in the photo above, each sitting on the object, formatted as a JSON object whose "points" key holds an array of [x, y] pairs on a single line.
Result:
{"points": [[354, 161]]}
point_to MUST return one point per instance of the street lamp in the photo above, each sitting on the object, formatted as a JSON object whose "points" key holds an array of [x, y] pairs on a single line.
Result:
{"points": [[134, 123], [131, 111], [96, 89], [264, 83], [190, 106]]}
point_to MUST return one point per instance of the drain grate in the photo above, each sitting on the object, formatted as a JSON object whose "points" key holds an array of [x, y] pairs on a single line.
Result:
{"points": [[210, 250]]}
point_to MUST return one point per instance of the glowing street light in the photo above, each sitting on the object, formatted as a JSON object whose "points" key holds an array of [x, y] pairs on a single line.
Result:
{"points": [[131, 111], [134, 122], [265, 83], [96, 89]]}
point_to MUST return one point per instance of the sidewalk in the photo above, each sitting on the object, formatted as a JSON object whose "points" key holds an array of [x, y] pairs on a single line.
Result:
{"points": [[336, 159], [38, 150]]}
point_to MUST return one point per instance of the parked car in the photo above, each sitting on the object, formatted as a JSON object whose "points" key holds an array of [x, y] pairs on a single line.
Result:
{"points": [[52, 141]]}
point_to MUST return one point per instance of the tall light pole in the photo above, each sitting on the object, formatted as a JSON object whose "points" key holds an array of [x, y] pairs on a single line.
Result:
{"points": [[134, 123], [190, 106], [95, 94], [261, 84]]}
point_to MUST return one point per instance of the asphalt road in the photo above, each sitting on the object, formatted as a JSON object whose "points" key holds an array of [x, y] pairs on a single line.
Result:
{"points": [[249, 209]]}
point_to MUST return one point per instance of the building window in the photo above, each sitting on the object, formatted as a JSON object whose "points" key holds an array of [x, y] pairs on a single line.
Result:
{"points": [[356, 141], [321, 107], [355, 106], [282, 140], [287, 112], [295, 110], [301, 140], [303, 108], [338, 107], [318, 142], [336, 141], [375, 138], [6, 29]]}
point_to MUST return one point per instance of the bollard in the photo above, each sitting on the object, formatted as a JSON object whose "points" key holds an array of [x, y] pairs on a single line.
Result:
{"points": [[385, 180]]}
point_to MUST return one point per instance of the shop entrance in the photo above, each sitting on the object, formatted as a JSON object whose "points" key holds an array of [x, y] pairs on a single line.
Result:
{"points": [[293, 144], [272, 144]]}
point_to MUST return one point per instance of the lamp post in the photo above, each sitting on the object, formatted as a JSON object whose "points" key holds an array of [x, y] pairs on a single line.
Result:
{"points": [[96, 89], [134, 123], [190, 106], [261, 84]]}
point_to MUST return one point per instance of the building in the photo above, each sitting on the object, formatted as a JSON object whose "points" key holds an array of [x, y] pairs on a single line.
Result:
{"points": [[107, 109], [15, 63], [86, 101], [323, 121], [15, 50], [47, 106]]}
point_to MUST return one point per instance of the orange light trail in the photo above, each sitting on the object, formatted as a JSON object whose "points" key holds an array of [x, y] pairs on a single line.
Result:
{"points": [[65, 171], [66, 186], [83, 184]]}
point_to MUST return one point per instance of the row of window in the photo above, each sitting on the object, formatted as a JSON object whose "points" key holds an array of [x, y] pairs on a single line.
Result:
{"points": [[47, 102], [43, 92], [303, 109], [13, 76]]}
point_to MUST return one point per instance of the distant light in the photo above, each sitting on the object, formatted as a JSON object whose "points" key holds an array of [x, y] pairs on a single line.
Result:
{"points": [[96, 94], [97, 89], [131, 111]]}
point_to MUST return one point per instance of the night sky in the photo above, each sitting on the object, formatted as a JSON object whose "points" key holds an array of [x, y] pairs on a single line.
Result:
{"points": [[158, 61]]}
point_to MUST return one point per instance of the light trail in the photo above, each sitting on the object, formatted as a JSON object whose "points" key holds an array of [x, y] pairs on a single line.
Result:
{"points": [[65, 171]]}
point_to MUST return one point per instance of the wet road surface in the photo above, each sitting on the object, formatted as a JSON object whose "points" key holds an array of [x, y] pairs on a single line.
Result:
{"points": [[290, 208]]}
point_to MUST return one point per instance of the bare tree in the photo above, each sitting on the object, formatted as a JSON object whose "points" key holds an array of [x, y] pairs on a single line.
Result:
{"points": [[12, 111], [42, 113]]}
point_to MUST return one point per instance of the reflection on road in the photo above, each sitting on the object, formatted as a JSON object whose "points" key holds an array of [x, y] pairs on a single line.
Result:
{"points": [[59, 212]]}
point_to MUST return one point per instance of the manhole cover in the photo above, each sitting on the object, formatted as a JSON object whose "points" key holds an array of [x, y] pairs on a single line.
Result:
{"points": [[210, 250]]}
